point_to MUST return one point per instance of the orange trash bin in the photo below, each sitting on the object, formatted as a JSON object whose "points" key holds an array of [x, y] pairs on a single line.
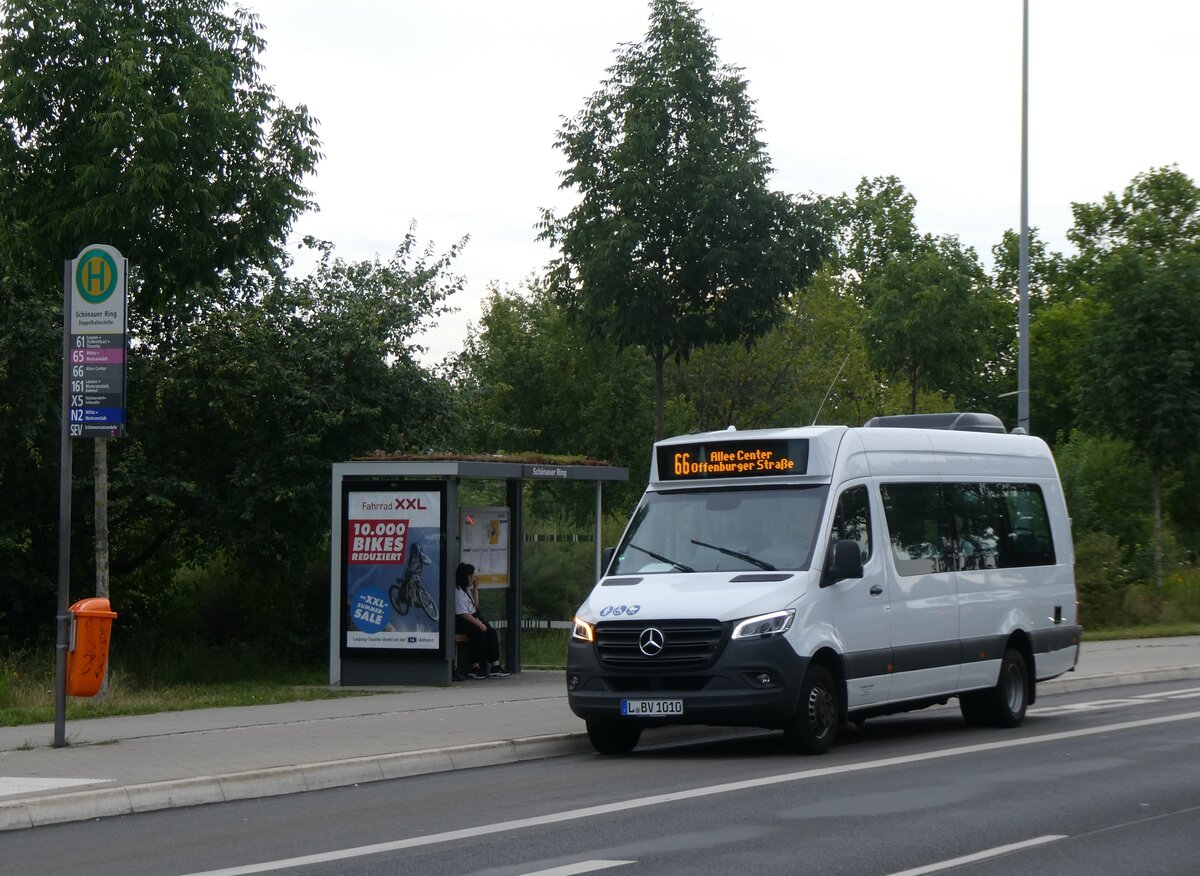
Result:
{"points": [[87, 659]]}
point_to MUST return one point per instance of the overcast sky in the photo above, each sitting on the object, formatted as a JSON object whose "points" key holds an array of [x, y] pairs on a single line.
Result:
{"points": [[445, 113]]}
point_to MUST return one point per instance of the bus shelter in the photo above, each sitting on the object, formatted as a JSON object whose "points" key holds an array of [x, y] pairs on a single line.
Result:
{"points": [[398, 533]]}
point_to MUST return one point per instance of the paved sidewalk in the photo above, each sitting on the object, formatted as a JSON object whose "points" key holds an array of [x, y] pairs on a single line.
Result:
{"points": [[114, 766]]}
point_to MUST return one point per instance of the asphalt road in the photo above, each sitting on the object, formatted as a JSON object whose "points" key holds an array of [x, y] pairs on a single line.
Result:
{"points": [[1095, 782]]}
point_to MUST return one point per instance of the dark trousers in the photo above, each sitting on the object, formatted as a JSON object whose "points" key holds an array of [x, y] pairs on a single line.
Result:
{"points": [[484, 645]]}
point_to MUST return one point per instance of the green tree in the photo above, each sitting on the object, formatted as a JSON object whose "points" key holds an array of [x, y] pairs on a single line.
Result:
{"points": [[1139, 255], [1045, 268], [879, 225], [1049, 401], [144, 123], [676, 241], [534, 380], [927, 317], [812, 365], [240, 421], [141, 123]]}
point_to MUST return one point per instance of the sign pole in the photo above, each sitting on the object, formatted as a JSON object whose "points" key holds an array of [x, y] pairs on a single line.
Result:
{"points": [[93, 405], [64, 529], [1023, 250]]}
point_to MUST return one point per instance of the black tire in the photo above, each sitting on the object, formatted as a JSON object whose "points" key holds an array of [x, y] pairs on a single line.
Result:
{"points": [[395, 592], [974, 708], [814, 726], [427, 602], [613, 737], [1003, 705]]}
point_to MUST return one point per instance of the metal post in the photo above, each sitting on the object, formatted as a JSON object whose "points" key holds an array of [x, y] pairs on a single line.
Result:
{"points": [[62, 618], [516, 538], [599, 536], [1023, 309]]}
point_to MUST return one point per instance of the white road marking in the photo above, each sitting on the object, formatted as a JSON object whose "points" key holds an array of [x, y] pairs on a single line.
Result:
{"points": [[1098, 705], [1170, 694], [30, 785], [980, 856], [581, 867], [454, 836]]}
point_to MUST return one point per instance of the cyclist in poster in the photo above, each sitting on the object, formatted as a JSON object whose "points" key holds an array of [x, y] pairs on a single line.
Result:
{"points": [[393, 543]]}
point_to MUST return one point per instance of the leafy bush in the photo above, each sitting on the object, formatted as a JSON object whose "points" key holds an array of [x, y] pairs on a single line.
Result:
{"points": [[1099, 576], [1181, 596], [557, 577], [1107, 487]]}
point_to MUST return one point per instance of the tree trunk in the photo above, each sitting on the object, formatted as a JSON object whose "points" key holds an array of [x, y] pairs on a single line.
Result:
{"points": [[101, 473], [1156, 504], [660, 402], [912, 383]]}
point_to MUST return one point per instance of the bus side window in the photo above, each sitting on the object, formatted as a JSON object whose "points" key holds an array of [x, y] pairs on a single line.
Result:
{"points": [[853, 520], [920, 527], [1022, 512]]}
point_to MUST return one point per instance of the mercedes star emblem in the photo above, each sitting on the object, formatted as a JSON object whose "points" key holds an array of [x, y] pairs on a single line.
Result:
{"points": [[651, 642]]}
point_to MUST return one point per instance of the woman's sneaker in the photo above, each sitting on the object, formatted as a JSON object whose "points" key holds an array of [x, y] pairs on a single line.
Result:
{"points": [[498, 671], [475, 673]]}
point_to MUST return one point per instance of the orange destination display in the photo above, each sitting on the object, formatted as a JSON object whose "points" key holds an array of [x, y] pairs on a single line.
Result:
{"points": [[739, 458]]}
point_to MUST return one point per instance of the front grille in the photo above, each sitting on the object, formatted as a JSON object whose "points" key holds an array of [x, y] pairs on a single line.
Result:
{"points": [[687, 644], [647, 684]]}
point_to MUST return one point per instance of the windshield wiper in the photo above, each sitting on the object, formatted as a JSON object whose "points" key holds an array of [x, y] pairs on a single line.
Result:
{"points": [[762, 564], [680, 566]]}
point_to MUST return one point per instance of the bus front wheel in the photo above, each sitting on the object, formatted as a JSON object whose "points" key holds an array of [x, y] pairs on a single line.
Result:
{"points": [[814, 726]]}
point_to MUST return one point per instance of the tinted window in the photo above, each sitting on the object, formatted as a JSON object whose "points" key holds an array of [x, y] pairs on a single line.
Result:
{"points": [[1027, 540], [976, 524], [852, 520], [966, 527], [918, 528]]}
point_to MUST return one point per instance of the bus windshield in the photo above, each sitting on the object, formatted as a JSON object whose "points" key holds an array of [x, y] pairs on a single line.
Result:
{"points": [[728, 530]]}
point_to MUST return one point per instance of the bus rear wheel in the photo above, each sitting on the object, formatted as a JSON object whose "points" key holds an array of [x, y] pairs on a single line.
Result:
{"points": [[1003, 705]]}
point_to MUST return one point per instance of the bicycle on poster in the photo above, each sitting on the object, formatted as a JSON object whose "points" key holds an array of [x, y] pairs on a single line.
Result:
{"points": [[408, 589]]}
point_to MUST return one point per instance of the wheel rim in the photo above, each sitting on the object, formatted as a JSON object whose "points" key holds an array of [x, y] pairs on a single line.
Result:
{"points": [[428, 604], [1014, 689], [820, 711]]}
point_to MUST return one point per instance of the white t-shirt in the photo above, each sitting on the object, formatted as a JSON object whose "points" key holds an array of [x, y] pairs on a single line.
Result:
{"points": [[463, 603]]}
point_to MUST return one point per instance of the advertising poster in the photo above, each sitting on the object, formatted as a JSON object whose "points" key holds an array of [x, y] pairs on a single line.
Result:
{"points": [[393, 578], [484, 534]]}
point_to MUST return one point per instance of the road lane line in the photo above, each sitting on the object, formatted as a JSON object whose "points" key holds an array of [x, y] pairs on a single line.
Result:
{"points": [[981, 856], [455, 836], [1169, 694], [581, 867]]}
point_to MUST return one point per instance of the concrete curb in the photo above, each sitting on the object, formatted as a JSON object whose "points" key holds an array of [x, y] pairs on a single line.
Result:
{"points": [[1068, 683], [105, 802]]}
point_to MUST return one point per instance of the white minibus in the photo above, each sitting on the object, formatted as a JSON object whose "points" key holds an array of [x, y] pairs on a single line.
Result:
{"points": [[801, 579]]}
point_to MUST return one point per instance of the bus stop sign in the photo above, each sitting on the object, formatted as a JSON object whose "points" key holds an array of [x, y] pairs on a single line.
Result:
{"points": [[96, 303]]}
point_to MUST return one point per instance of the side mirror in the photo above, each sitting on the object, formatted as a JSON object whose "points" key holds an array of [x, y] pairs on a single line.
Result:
{"points": [[845, 562], [606, 560]]}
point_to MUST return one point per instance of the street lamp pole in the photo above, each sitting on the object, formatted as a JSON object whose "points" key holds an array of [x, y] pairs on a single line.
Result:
{"points": [[1023, 283]]}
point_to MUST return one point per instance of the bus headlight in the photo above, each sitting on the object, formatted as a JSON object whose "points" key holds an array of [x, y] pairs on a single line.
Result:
{"points": [[583, 631], [774, 624]]}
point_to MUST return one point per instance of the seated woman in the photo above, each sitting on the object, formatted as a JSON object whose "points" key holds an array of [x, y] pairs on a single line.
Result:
{"points": [[482, 638]]}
